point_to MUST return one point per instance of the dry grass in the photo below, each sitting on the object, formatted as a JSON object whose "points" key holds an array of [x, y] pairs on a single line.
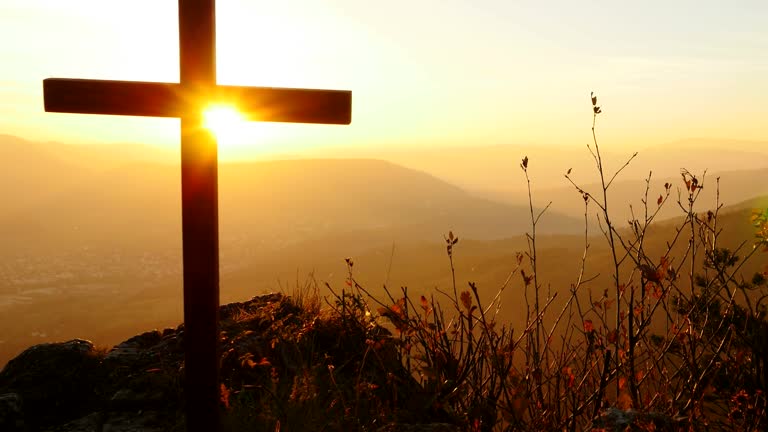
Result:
{"points": [[678, 341]]}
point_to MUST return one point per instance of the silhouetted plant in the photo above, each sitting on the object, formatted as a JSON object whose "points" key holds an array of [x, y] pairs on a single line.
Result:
{"points": [[677, 341]]}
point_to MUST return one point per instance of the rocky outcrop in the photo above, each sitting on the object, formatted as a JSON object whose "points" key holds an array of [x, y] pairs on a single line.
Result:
{"points": [[280, 364], [70, 386], [52, 381]]}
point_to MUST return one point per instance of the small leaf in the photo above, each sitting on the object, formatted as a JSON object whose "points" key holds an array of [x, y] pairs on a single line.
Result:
{"points": [[638, 310], [466, 299], [525, 162], [588, 326], [396, 308], [594, 98], [224, 396], [658, 201], [569, 171]]}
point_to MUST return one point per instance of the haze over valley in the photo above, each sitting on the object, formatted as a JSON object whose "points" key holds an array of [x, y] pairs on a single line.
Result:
{"points": [[92, 246]]}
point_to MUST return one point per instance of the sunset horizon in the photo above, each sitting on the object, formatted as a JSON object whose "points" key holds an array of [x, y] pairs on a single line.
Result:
{"points": [[442, 215]]}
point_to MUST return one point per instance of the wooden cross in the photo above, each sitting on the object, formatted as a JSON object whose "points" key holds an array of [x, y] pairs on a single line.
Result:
{"points": [[199, 171]]}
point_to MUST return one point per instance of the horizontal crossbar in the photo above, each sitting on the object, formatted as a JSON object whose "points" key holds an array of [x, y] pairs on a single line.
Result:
{"points": [[154, 99]]}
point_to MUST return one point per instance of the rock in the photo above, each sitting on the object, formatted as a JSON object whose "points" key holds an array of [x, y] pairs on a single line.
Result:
{"points": [[149, 350], [43, 356], [231, 310], [11, 414], [91, 423], [40, 354], [129, 399], [135, 347], [145, 421], [278, 362], [140, 421], [55, 380]]}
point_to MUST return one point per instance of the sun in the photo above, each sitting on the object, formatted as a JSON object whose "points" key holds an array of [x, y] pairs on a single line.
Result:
{"points": [[225, 121], [237, 135]]}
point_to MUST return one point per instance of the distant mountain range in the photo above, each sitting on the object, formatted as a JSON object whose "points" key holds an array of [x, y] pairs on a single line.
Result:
{"points": [[496, 167], [53, 202], [733, 187]]}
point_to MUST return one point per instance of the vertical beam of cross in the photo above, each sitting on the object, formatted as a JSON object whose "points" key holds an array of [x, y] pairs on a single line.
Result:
{"points": [[199, 172], [200, 218]]}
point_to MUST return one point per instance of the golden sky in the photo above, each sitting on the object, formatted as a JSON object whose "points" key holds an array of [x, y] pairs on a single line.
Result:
{"points": [[423, 72]]}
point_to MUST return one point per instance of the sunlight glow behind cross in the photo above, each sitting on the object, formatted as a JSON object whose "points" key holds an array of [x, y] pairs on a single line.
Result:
{"points": [[225, 121]]}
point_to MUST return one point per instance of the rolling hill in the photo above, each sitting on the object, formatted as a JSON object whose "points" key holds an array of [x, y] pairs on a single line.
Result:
{"points": [[276, 202], [494, 168], [94, 251]]}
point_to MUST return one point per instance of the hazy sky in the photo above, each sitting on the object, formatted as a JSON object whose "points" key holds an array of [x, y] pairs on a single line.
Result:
{"points": [[425, 72]]}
